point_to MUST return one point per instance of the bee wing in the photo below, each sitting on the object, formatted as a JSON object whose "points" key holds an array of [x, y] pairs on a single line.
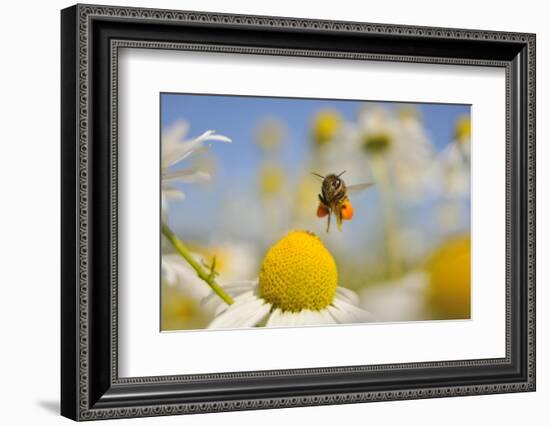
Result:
{"points": [[352, 189]]}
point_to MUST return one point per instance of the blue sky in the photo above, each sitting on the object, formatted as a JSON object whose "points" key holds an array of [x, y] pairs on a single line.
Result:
{"points": [[238, 116]]}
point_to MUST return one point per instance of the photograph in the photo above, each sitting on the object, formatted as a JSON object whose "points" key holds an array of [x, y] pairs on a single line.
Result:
{"points": [[292, 212]]}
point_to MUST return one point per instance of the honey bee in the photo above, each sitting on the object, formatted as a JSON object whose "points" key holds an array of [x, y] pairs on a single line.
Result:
{"points": [[334, 199]]}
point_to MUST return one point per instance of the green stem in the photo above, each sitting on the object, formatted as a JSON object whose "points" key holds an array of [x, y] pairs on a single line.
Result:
{"points": [[380, 170], [208, 278]]}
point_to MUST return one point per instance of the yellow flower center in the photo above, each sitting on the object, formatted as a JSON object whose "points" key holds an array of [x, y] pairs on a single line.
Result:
{"points": [[408, 112], [179, 311], [298, 273], [377, 143], [449, 269], [271, 179], [463, 128], [326, 125]]}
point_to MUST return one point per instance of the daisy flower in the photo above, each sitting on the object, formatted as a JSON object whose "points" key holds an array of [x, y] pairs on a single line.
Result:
{"points": [[297, 285], [335, 148], [401, 139], [270, 134], [454, 162], [452, 173], [175, 149]]}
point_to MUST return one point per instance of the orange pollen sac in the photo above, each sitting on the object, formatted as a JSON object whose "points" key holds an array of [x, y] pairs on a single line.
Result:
{"points": [[347, 210], [322, 211]]}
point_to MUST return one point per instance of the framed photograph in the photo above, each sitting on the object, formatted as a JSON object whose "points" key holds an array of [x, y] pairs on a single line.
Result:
{"points": [[263, 212]]}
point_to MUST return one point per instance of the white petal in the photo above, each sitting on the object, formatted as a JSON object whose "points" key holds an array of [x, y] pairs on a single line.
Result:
{"points": [[186, 176], [169, 192], [246, 313], [302, 318], [289, 318], [239, 291], [274, 318], [307, 317], [327, 317], [222, 307], [258, 317], [187, 148], [279, 318], [340, 317], [176, 154], [170, 141], [185, 277], [174, 133], [213, 137], [347, 294], [228, 315], [168, 272], [344, 312]]}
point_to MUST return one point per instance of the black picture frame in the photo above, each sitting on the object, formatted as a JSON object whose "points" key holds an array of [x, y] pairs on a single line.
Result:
{"points": [[90, 38]]}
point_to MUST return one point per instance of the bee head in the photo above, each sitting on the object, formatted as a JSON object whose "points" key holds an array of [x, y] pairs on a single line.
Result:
{"points": [[332, 182], [337, 180]]}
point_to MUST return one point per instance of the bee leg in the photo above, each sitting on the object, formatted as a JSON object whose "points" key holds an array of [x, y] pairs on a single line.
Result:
{"points": [[339, 220], [328, 220]]}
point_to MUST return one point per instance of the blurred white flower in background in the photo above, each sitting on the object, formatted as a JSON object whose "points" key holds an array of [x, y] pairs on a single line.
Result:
{"points": [[177, 273], [402, 299], [395, 147], [416, 148], [400, 139], [452, 174], [269, 134], [175, 149], [454, 162], [234, 260], [335, 148], [415, 245], [182, 291]]}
